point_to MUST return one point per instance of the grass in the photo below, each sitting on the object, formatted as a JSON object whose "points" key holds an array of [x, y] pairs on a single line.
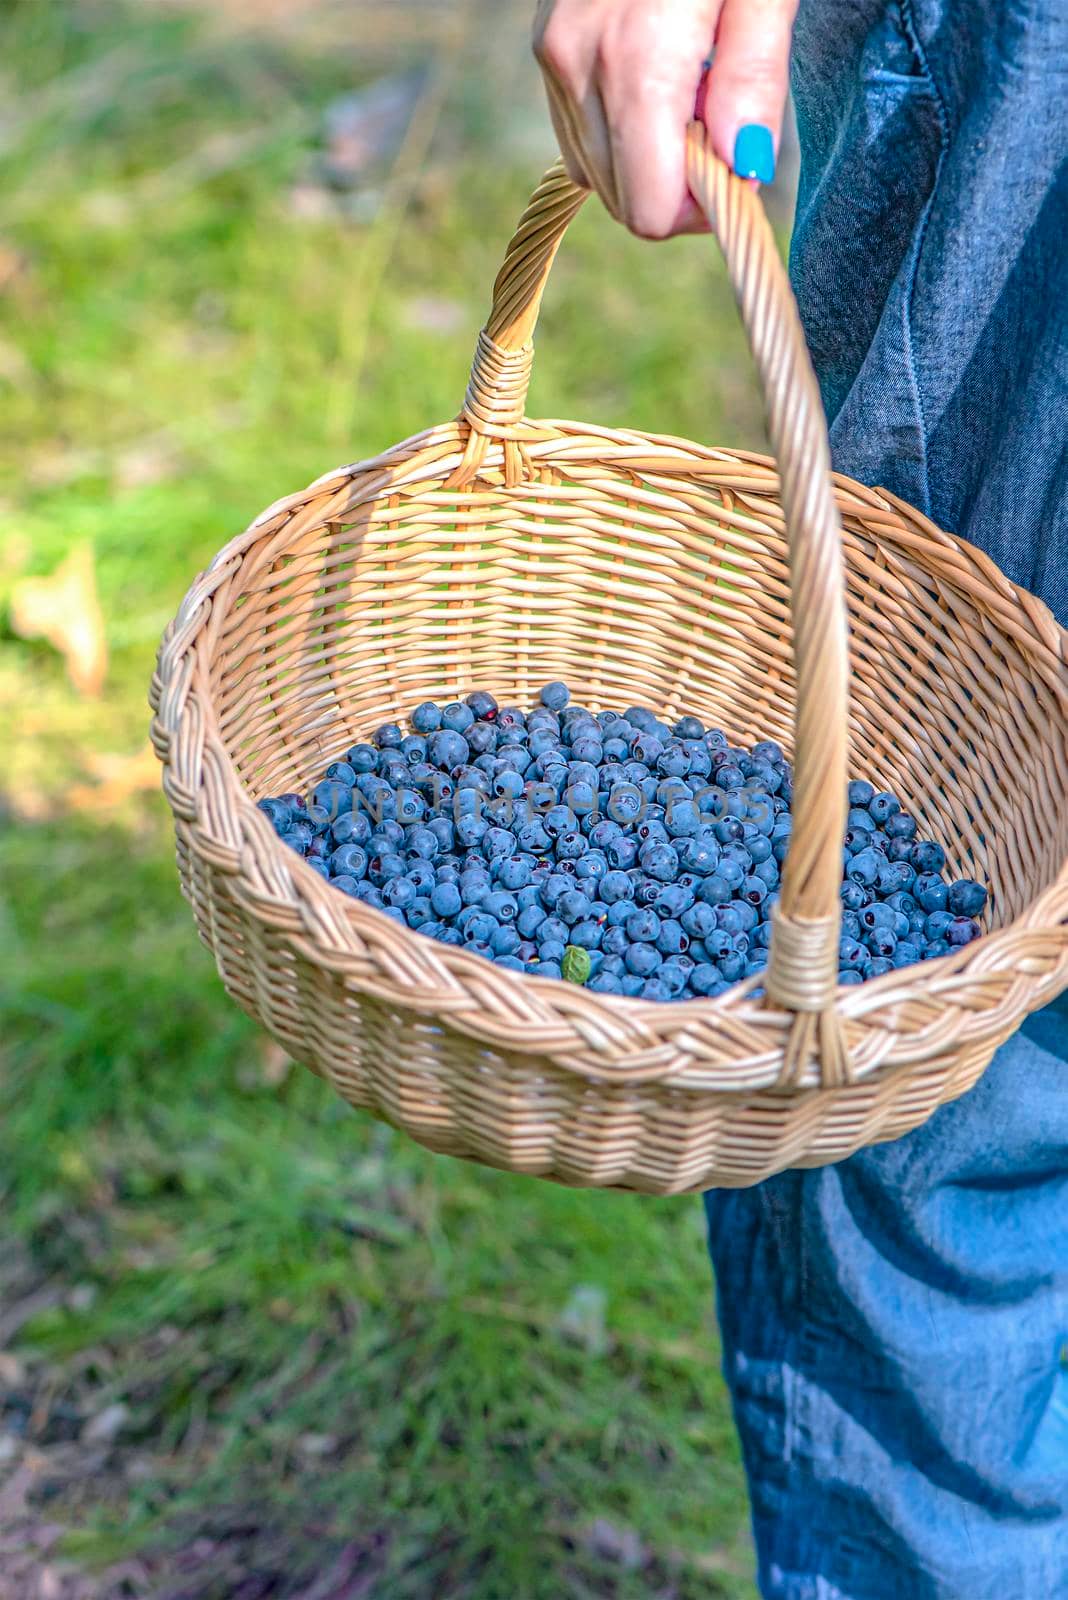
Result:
{"points": [[336, 1353]]}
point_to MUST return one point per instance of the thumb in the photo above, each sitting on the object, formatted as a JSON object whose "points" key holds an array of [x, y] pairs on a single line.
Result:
{"points": [[745, 89]]}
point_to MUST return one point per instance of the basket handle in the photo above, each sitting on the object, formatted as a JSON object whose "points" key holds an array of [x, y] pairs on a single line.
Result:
{"points": [[803, 961]]}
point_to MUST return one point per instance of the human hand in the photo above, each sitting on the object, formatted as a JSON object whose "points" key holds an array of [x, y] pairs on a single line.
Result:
{"points": [[624, 78]]}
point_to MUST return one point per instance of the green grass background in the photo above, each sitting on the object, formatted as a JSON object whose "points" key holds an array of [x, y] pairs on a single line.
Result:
{"points": [[325, 1338]]}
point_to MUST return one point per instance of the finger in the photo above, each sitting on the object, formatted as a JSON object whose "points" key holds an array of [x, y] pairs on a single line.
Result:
{"points": [[747, 84], [649, 86]]}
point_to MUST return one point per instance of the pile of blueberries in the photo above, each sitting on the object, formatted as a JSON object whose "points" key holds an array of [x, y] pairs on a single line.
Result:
{"points": [[607, 847]]}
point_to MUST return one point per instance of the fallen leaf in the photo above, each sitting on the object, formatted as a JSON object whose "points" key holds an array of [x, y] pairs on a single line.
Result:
{"points": [[63, 608]]}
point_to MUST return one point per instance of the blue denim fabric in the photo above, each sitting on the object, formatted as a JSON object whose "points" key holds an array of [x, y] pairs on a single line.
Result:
{"points": [[895, 1328]]}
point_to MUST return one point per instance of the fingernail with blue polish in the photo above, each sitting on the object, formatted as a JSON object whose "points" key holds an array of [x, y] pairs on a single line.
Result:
{"points": [[754, 153]]}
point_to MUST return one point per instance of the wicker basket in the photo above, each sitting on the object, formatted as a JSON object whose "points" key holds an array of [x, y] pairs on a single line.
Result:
{"points": [[502, 552]]}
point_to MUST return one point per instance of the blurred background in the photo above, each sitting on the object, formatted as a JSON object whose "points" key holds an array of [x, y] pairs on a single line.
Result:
{"points": [[251, 1344]]}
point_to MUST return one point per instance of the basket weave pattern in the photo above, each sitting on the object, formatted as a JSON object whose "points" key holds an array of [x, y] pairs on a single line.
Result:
{"points": [[502, 552]]}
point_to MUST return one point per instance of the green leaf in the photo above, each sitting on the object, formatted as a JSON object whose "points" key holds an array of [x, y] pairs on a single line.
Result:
{"points": [[576, 964]]}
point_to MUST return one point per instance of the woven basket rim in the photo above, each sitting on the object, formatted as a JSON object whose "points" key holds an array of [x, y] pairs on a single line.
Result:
{"points": [[668, 1040]]}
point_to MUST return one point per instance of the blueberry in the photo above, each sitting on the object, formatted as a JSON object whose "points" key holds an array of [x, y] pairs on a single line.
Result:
{"points": [[555, 696], [930, 892], [861, 793], [362, 758], [497, 842], [700, 855], [388, 736], [571, 845], [482, 704], [426, 718], [732, 967], [554, 929], [505, 941], [398, 892], [420, 913], [551, 949], [927, 857], [671, 979], [410, 806], [346, 884], [966, 898], [642, 960], [616, 886], [298, 836], [672, 938], [448, 749], [883, 807], [848, 976], [349, 860], [863, 868], [642, 926], [881, 941], [334, 797], [277, 812], [530, 919], [853, 896], [474, 887], [683, 819], [341, 772], [573, 905], [481, 737], [715, 890], [446, 900], [877, 967], [706, 980], [471, 830], [660, 861], [698, 920], [508, 783], [962, 930], [514, 873], [480, 927], [591, 868], [673, 900], [587, 933], [900, 825], [351, 827]]}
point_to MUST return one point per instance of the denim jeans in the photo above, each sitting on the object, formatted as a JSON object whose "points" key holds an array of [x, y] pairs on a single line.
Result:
{"points": [[895, 1328]]}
